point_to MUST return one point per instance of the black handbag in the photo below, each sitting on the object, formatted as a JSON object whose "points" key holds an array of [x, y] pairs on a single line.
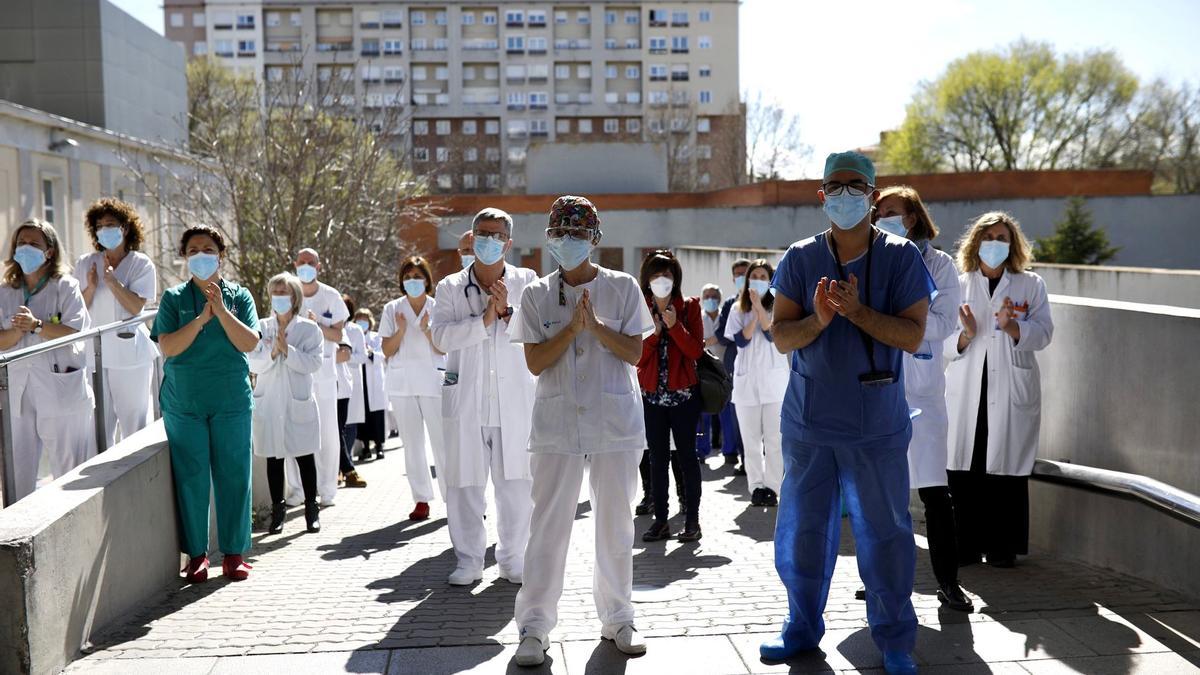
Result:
{"points": [[716, 385]]}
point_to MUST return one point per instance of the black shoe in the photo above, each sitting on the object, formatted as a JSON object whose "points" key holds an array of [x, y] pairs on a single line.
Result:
{"points": [[953, 597], [757, 498], [860, 594], [770, 498], [379, 452], [968, 560], [645, 507], [739, 470], [278, 513], [691, 532], [657, 532], [730, 460], [1004, 560], [312, 516]]}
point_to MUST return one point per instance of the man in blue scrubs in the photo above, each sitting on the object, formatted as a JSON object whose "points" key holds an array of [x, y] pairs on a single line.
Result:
{"points": [[848, 302]]}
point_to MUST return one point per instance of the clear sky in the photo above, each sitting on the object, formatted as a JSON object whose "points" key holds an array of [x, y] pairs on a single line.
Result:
{"points": [[848, 69]]}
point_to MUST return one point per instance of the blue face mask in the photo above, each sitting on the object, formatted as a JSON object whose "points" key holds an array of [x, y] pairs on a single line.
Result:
{"points": [[307, 273], [846, 210], [203, 265], [892, 225], [569, 252], [993, 253], [110, 237], [364, 324], [414, 288], [468, 260], [710, 305], [281, 304], [488, 251], [760, 286], [739, 282], [30, 258]]}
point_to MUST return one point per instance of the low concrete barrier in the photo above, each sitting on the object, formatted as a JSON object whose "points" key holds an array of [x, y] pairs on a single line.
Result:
{"points": [[1179, 288]]}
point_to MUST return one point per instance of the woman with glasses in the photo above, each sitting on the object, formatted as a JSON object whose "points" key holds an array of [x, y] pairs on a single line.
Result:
{"points": [[48, 394], [760, 379], [670, 393], [413, 380]]}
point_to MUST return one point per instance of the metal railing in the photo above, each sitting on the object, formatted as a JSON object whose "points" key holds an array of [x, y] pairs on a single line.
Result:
{"points": [[1182, 505], [8, 452]]}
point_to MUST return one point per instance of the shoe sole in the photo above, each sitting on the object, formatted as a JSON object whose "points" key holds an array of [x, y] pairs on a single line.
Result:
{"points": [[631, 652]]}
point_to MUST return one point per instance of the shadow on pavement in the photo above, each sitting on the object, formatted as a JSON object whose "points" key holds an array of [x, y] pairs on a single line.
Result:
{"points": [[377, 541], [653, 566], [606, 659]]}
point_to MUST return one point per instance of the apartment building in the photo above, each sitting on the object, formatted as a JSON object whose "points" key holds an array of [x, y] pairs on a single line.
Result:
{"points": [[479, 83]]}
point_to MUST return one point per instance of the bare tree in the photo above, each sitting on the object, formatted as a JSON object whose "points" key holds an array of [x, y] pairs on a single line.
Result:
{"points": [[773, 146], [292, 163]]}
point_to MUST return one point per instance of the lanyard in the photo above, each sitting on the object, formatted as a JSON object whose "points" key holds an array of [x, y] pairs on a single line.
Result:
{"points": [[868, 342], [36, 289]]}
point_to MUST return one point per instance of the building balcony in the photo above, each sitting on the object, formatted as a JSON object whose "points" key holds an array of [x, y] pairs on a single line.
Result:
{"points": [[658, 78], [335, 46], [393, 24], [516, 106], [370, 52], [539, 106], [679, 50], [658, 50], [514, 24], [539, 134], [393, 52], [514, 52], [679, 77], [369, 25]]}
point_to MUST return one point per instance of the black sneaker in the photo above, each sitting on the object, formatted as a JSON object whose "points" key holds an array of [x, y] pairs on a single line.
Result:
{"points": [[770, 498], [953, 597], [739, 470], [379, 452], [730, 460], [645, 507], [757, 498], [1005, 560], [657, 532], [860, 594], [691, 532]]}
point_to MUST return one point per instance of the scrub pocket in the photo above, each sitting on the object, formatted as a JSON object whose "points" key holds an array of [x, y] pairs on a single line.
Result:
{"points": [[883, 409], [65, 391], [825, 410]]}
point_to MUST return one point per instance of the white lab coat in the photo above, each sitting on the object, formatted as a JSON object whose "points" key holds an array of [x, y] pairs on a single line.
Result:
{"points": [[413, 369], [329, 309], [350, 376], [51, 407], [1014, 392], [458, 330], [925, 377], [760, 372], [376, 389], [286, 417]]}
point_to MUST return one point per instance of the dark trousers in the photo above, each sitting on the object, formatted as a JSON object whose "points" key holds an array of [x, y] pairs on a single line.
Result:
{"points": [[732, 434], [648, 479], [308, 478], [375, 428], [708, 434], [663, 424], [939, 529], [347, 434]]}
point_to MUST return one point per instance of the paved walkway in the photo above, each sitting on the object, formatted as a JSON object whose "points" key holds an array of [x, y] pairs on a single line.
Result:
{"points": [[368, 595]]}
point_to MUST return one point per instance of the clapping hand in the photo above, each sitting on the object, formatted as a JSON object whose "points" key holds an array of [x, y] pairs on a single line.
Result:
{"points": [[669, 317], [821, 306], [1007, 313], [216, 304], [967, 318], [24, 320], [842, 297]]}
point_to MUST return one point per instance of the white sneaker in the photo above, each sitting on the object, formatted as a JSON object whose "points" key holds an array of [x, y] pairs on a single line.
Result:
{"points": [[512, 577], [462, 576], [629, 641], [531, 652]]}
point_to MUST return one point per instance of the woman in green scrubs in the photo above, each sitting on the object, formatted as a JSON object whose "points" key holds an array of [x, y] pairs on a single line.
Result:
{"points": [[205, 327]]}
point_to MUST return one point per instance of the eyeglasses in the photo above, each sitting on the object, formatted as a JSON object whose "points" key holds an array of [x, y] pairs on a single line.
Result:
{"points": [[857, 188], [498, 236], [572, 232]]}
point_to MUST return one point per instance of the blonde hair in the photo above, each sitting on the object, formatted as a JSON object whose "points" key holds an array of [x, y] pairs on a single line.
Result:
{"points": [[923, 227], [1019, 252], [55, 268], [292, 283]]}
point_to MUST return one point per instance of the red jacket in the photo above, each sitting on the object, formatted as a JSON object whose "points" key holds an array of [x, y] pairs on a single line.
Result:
{"points": [[687, 344]]}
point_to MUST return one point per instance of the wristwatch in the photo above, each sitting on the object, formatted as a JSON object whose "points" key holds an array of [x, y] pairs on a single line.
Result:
{"points": [[508, 311], [38, 328]]}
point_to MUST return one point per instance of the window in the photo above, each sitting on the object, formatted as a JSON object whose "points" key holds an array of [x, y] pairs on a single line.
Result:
{"points": [[633, 72], [612, 125], [419, 73], [274, 19], [441, 44], [538, 99], [439, 18], [658, 17], [199, 48], [658, 98], [370, 47], [679, 44], [655, 125], [223, 20], [471, 155], [679, 124], [703, 42], [420, 127], [561, 18], [537, 44], [705, 96], [516, 180], [444, 182], [493, 180], [610, 18], [632, 17], [679, 18], [468, 19], [418, 18], [658, 72], [679, 72], [515, 43], [198, 20], [704, 151], [610, 43], [562, 71], [583, 16], [490, 18], [585, 126], [537, 17], [393, 74], [443, 154], [632, 43], [514, 72], [584, 71], [366, 19], [48, 200], [294, 19], [610, 72], [393, 18], [491, 73], [491, 127], [245, 21], [176, 20], [633, 125], [469, 182], [516, 99], [633, 97], [224, 47], [658, 45], [392, 47], [470, 127], [703, 125], [421, 154], [441, 73], [468, 72], [704, 71], [539, 127], [516, 127], [514, 17], [442, 127], [705, 179], [562, 126], [492, 154], [420, 44], [679, 97]]}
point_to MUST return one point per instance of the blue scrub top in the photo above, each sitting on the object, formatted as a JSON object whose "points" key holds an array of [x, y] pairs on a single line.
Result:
{"points": [[825, 402]]}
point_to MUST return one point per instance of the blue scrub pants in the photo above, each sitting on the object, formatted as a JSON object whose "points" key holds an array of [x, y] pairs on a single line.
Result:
{"points": [[730, 431], [874, 482], [211, 449]]}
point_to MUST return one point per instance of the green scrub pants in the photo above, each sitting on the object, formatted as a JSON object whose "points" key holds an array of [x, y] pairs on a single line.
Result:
{"points": [[212, 447]]}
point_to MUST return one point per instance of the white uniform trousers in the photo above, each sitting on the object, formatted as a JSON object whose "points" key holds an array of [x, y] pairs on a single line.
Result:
{"points": [[327, 458], [416, 414], [763, 443], [126, 401], [557, 479], [465, 507], [68, 437]]}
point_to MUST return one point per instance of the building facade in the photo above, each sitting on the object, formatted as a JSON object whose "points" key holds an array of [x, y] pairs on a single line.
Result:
{"points": [[480, 83]]}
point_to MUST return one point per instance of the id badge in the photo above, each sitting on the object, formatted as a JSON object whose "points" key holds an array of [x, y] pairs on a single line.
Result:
{"points": [[877, 378]]}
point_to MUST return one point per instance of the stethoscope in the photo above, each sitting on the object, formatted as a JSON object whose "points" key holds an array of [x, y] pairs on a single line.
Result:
{"points": [[467, 291]]}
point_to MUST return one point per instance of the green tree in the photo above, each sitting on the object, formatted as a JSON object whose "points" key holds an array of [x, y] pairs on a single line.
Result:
{"points": [[1076, 241], [1020, 107]]}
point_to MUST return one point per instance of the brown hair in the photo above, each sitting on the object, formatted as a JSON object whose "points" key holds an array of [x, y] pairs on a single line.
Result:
{"points": [[13, 276], [744, 296], [197, 230], [365, 314], [662, 260], [923, 227], [740, 262], [421, 265], [1019, 252], [124, 213]]}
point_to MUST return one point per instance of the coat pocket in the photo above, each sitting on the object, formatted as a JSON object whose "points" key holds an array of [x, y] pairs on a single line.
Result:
{"points": [[1026, 387], [548, 426], [65, 391], [624, 417], [884, 410], [302, 411]]}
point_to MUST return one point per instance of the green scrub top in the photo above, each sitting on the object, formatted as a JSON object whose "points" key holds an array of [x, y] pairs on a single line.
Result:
{"points": [[211, 375]]}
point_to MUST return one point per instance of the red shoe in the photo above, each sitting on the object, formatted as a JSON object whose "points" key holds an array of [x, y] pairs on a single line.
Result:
{"points": [[235, 568], [420, 513], [197, 569]]}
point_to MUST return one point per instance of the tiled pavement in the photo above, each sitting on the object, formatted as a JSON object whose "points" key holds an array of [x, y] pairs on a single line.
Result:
{"points": [[368, 595]]}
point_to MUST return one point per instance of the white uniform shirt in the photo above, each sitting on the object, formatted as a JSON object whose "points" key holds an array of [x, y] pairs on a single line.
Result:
{"points": [[413, 369], [588, 401], [710, 329], [59, 301], [760, 372], [136, 273], [329, 309], [490, 405]]}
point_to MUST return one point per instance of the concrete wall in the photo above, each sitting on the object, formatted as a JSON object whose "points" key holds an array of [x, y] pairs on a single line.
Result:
{"points": [[145, 79], [1179, 288], [1118, 388], [712, 266], [557, 167]]}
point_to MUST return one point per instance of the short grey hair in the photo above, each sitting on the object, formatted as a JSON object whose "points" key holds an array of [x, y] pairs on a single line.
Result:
{"points": [[292, 283], [710, 287], [492, 213]]}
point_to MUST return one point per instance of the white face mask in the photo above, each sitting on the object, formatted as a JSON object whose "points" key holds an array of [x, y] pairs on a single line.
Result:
{"points": [[661, 287]]}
